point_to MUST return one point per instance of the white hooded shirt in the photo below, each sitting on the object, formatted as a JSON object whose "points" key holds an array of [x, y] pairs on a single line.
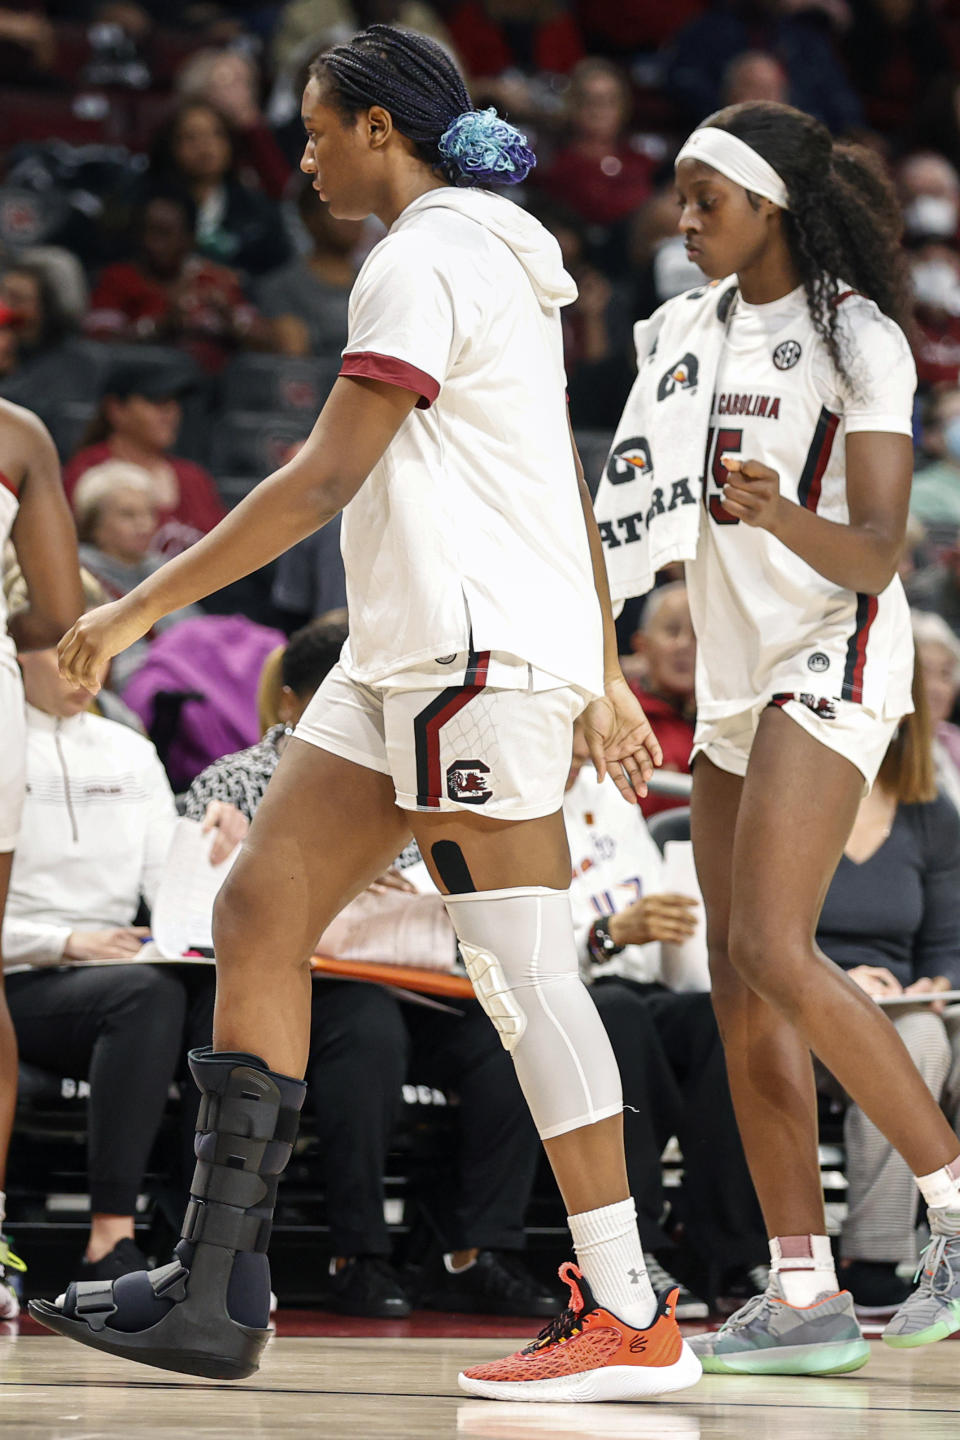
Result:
{"points": [[469, 533]]}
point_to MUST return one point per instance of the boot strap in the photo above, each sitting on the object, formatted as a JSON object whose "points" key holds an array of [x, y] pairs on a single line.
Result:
{"points": [[94, 1302], [229, 1185], [223, 1226]]}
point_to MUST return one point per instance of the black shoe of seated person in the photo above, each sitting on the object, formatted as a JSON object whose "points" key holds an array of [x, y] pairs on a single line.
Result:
{"points": [[876, 1287], [367, 1285], [125, 1257], [497, 1283]]}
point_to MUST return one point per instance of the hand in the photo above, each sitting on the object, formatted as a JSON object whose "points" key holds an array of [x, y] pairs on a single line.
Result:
{"points": [[752, 493], [669, 918], [123, 943], [392, 879], [619, 737], [87, 649], [875, 980], [231, 826], [929, 985]]}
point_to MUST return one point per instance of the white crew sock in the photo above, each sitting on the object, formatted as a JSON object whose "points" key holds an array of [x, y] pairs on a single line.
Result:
{"points": [[941, 1190], [804, 1267], [610, 1255]]}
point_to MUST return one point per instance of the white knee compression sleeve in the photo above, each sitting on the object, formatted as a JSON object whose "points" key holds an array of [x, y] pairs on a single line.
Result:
{"points": [[519, 952]]}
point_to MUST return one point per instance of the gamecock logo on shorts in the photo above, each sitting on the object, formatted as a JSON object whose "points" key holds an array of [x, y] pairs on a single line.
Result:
{"points": [[467, 782]]}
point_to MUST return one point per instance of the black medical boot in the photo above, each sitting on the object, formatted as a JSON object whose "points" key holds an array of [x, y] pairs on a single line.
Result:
{"points": [[206, 1313]]}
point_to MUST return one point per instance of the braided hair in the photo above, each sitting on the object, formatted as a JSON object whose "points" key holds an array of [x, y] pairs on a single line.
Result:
{"points": [[415, 79], [843, 222]]}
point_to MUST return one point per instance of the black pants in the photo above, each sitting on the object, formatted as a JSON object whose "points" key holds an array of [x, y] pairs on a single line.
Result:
{"points": [[364, 1043], [671, 1059], [120, 1027]]}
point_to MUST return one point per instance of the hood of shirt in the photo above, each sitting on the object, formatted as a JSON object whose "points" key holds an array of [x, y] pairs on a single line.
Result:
{"points": [[532, 244]]}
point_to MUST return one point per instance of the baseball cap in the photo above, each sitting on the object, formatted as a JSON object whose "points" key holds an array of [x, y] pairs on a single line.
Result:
{"points": [[155, 379]]}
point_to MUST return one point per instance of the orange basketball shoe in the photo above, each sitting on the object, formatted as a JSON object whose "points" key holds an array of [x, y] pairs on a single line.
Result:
{"points": [[588, 1354]]}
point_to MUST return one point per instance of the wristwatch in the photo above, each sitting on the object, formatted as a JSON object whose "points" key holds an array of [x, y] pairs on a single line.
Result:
{"points": [[600, 942]]}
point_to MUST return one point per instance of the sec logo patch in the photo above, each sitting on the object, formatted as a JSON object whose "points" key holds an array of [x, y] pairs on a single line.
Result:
{"points": [[787, 354]]}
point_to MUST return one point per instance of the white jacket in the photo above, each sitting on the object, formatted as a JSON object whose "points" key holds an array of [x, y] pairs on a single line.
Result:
{"points": [[97, 823]]}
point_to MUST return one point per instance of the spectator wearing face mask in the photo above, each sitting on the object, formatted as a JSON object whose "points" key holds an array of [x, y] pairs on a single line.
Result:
{"points": [[930, 193], [929, 190], [935, 497]]}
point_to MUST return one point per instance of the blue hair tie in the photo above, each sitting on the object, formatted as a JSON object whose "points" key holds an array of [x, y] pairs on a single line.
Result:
{"points": [[482, 147]]}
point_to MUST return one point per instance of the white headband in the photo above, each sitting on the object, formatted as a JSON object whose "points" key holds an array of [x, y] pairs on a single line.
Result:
{"points": [[737, 160]]}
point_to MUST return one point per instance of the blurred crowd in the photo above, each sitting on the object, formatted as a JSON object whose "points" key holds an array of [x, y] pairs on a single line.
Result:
{"points": [[152, 210], [173, 304]]}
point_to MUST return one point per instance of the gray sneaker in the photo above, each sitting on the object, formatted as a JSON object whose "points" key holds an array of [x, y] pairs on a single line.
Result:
{"points": [[769, 1337], [932, 1312]]}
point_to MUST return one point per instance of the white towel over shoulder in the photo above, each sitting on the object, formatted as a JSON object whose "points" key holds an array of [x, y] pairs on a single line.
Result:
{"points": [[648, 501]]}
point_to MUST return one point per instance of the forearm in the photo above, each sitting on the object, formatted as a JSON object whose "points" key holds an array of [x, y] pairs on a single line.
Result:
{"points": [[32, 629], [31, 942], [852, 556]]}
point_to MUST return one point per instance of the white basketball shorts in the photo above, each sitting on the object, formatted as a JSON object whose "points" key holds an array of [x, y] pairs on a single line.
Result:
{"points": [[857, 734], [13, 754], [470, 747]]}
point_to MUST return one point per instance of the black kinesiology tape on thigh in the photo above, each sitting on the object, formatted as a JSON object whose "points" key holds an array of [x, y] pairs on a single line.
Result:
{"points": [[452, 867]]}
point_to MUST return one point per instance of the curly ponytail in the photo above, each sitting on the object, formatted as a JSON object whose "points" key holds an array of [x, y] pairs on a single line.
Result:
{"points": [[844, 221]]}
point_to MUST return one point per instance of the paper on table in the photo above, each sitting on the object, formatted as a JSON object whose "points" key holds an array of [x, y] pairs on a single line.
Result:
{"points": [[685, 967], [394, 927], [949, 996], [182, 917]]}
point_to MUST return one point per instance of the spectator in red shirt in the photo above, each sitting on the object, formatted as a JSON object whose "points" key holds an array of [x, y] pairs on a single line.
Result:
{"points": [[172, 295], [138, 420], [598, 173], [667, 645]]}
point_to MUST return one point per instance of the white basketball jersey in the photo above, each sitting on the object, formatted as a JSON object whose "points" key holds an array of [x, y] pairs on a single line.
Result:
{"points": [[766, 622]]}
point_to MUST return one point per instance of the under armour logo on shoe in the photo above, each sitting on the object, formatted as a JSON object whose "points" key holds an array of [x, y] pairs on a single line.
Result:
{"points": [[636, 1276]]}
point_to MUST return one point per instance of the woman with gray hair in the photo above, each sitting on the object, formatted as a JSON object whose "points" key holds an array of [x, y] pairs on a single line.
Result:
{"points": [[116, 513], [938, 651]]}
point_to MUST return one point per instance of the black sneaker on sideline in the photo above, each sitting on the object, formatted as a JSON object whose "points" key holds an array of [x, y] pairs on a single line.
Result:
{"points": [[875, 1286], [125, 1257], [367, 1285], [688, 1306], [497, 1283]]}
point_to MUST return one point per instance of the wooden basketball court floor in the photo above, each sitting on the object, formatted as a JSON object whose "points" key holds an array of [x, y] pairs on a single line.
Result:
{"points": [[375, 1388]]}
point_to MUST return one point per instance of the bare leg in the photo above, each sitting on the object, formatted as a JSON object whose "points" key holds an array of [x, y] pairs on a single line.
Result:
{"points": [[768, 1064], [8, 1041], [798, 804], [325, 829], [588, 1162], [106, 1231]]}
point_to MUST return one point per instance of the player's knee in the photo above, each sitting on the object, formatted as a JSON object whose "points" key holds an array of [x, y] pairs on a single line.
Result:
{"points": [[235, 913], [769, 962]]}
